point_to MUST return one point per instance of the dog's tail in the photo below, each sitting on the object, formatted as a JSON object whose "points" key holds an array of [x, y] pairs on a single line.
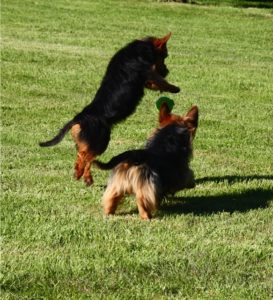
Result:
{"points": [[59, 136], [134, 157]]}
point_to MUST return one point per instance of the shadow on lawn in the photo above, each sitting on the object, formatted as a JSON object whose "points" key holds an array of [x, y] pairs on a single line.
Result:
{"points": [[204, 205], [230, 179], [238, 3], [254, 3]]}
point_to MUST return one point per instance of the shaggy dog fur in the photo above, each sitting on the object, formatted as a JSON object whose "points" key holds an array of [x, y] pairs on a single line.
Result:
{"points": [[161, 168], [139, 64]]}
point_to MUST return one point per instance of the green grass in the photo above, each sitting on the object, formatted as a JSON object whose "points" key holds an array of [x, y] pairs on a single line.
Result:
{"points": [[212, 242]]}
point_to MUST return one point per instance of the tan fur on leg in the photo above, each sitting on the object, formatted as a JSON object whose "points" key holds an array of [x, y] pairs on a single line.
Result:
{"points": [[111, 199], [84, 157], [144, 213], [131, 180], [88, 179]]}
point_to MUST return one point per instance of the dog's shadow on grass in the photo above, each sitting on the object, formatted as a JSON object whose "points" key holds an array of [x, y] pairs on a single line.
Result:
{"points": [[249, 199]]}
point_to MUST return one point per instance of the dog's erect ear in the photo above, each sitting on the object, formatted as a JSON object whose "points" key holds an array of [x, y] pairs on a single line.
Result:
{"points": [[192, 115], [164, 113], [191, 119], [160, 43]]}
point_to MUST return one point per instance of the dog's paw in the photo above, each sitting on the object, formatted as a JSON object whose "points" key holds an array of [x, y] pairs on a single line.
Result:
{"points": [[88, 181], [174, 89]]}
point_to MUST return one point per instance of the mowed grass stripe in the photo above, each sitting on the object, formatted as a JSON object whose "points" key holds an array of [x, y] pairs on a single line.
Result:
{"points": [[212, 242]]}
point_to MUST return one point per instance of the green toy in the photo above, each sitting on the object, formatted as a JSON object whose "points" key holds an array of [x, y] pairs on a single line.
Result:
{"points": [[166, 100]]}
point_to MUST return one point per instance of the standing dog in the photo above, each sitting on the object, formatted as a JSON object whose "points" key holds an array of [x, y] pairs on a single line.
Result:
{"points": [[139, 64], [161, 168]]}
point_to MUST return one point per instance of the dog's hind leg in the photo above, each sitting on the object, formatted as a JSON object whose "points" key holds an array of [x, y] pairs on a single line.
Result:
{"points": [[92, 138], [84, 157], [117, 187], [111, 199], [146, 197], [83, 164], [79, 165], [88, 179], [143, 210]]}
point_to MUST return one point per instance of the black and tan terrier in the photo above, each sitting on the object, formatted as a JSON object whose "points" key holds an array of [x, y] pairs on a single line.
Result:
{"points": [[138, 65], [161, 168]]}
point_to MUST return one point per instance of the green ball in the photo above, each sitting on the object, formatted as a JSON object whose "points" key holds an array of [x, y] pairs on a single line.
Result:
{"points": [[166, 100]]}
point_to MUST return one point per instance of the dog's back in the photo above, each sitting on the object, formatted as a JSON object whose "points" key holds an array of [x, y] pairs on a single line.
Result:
{"points": [[123, 84]]}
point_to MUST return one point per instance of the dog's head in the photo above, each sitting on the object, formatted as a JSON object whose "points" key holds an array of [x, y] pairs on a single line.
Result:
{"points": [[160, 47], [175, 133], [161, 53], [189, 120]]}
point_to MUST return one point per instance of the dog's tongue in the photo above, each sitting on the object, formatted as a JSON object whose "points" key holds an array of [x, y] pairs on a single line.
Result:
{"points": [[166, 100]]}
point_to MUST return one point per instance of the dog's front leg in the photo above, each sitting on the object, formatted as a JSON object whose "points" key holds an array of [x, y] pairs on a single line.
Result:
{"points": [[158, 83]]}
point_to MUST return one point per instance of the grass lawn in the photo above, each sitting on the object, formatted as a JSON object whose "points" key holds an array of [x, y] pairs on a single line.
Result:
{"points": [[212, 242]]}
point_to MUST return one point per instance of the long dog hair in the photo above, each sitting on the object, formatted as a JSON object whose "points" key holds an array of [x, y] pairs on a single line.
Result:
{"points": [[139, 64], [162, 167]]}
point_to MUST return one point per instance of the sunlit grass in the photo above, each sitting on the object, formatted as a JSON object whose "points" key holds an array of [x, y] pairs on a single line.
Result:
{"points": [[212, 242]]}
